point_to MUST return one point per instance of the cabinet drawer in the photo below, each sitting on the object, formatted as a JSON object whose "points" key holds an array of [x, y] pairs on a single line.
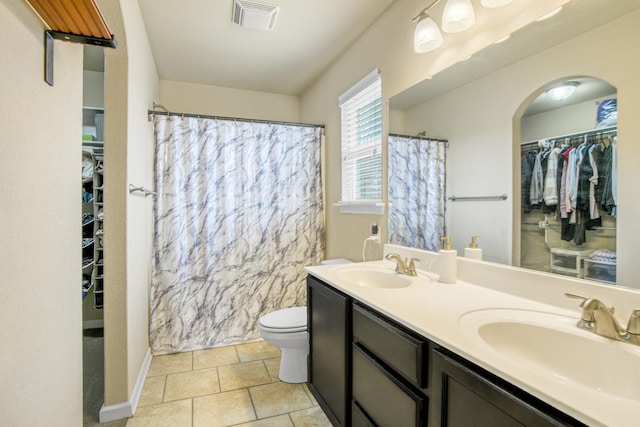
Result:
{"points": [[383, 399], [402, 351]]}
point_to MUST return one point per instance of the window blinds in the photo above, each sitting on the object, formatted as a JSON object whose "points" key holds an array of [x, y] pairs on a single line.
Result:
{"points": [[361, 110]]}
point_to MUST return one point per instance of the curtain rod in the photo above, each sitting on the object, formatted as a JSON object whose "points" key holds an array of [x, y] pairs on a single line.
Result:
{"points": [[602, 131], [235, 119], [425, 138]]}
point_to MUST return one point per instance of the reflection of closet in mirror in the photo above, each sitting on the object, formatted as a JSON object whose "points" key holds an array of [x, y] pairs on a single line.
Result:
{"points": [[568, 177]]}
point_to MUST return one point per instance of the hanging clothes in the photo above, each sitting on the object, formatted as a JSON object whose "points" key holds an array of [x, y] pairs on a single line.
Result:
{"points": [[550, 194], [576, 182]]}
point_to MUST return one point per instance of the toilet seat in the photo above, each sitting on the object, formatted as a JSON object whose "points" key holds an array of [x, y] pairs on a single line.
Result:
{"points": [[287, 320]]}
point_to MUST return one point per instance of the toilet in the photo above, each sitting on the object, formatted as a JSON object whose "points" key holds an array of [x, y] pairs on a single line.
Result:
{"points": [[287, 329]]}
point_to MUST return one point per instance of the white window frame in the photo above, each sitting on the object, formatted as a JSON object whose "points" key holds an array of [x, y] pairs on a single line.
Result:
{"points": [[354, 149]]}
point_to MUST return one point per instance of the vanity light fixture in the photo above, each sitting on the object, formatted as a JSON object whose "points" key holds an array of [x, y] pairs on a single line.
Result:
{"points": [[427, 36], [495, 3], [458, 16], [562, 91]]}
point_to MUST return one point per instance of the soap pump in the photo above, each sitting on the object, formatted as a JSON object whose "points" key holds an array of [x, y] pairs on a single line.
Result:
{"points": [[473, 251], [447, 262]]}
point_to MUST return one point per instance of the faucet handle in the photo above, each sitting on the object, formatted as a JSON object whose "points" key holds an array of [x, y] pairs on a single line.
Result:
{"points": [[576, 296], [633, 327], [587, 313], [412, 266]]}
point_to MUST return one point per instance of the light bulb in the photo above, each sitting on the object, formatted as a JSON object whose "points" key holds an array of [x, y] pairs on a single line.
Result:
{"points": [[495, 3], [458, 16], [563, 91], [427, 36]]}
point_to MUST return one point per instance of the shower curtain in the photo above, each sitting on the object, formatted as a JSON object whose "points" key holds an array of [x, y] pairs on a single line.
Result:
{"points": [[238, 215], [417, 192]]}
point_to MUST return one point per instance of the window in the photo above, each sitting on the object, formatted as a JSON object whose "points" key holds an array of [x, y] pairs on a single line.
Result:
{"points": [[361, 111]]}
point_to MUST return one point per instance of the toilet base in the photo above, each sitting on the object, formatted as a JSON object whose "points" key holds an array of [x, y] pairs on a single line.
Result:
{"points": [[293, 365]]}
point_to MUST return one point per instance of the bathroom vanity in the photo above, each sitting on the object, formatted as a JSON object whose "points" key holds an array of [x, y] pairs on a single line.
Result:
{"points": [[399, 378], [405, 353]]}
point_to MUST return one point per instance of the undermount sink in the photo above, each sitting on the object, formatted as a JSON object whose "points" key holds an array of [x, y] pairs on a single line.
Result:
{"points": [[551, 344], [375, 277]]}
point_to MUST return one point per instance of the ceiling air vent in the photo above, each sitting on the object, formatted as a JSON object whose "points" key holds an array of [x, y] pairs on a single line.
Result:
{"points": [[256, 16]]}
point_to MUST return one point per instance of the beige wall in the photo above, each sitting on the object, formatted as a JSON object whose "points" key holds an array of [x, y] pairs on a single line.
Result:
{"points": [[182, 97], [40, 227], [487, 136], [388, 45], [131, 85], [142, 91]]}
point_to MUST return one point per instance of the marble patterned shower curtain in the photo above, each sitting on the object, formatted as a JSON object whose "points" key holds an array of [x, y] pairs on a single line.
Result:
{"points": [[238, 214], [417, 192]]}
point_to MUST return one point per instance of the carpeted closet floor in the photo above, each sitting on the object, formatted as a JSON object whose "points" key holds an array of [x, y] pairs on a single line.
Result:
{"points": [[93, 378]]}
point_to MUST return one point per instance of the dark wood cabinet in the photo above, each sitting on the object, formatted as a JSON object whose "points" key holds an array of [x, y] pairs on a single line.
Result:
{"points": [[367, 370], [382, 396], [404, 351], [329, 325], [464, 395]]}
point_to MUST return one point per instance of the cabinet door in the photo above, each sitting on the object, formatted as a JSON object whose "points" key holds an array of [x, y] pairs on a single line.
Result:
{"points": [[462, 397], [329, 326]]}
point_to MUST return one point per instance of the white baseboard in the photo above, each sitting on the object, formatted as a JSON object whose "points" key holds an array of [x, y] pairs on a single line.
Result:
{"points": [[127, 409]]}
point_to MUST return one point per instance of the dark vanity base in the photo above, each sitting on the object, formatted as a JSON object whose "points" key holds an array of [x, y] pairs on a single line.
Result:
{"points": [[368, 370]]}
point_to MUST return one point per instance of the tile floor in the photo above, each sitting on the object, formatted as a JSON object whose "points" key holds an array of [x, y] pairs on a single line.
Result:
{"points": [[236, 385]]}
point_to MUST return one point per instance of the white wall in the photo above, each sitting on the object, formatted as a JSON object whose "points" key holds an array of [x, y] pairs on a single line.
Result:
{"points": [[388, 45], [182, 97], [40, 226], [482, 145], [93, 89], [562, 121]]}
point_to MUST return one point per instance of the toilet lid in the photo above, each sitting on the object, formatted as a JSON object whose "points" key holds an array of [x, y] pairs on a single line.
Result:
{"points": [[294, 318]]}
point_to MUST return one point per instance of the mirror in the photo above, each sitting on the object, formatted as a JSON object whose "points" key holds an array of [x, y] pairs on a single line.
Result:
{"points": [[477, 105]]}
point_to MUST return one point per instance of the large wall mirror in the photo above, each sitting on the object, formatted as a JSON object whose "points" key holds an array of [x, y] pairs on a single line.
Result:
{"points": [[480, 107]]}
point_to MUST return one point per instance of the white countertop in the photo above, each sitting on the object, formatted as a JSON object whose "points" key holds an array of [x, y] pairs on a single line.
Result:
{"points": [[435, 310]]}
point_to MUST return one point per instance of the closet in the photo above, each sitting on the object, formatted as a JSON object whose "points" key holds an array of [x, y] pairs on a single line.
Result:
{"points": [[92, 207], [568, 198]]}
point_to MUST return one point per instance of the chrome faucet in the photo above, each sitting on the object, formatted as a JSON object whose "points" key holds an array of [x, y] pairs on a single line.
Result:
{"points": [[600, 319], [407, 266]]}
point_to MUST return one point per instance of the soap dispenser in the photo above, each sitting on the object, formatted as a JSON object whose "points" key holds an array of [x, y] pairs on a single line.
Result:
{"points": [[448, 262], [473, 251]]}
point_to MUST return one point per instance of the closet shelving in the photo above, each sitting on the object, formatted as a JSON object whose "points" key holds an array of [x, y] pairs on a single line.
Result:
{"points": [[98, 193], [93, 203], [88, 239]]}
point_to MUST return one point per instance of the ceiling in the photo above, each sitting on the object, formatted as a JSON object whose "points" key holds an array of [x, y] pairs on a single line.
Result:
{"points": [[196, 41]]}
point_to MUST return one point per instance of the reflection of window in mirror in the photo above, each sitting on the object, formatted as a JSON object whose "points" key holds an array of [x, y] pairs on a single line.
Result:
{"points": [[568, 178]]}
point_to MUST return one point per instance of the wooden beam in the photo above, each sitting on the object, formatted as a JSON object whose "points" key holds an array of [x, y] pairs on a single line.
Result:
{"points": [[77, 17]]}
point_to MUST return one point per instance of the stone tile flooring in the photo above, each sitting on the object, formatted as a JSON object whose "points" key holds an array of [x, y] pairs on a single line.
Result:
{"points": [[227, 386]]}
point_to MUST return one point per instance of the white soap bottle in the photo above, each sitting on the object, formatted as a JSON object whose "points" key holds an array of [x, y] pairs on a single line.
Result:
{"points": [[473, 251], [448, 263]]}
